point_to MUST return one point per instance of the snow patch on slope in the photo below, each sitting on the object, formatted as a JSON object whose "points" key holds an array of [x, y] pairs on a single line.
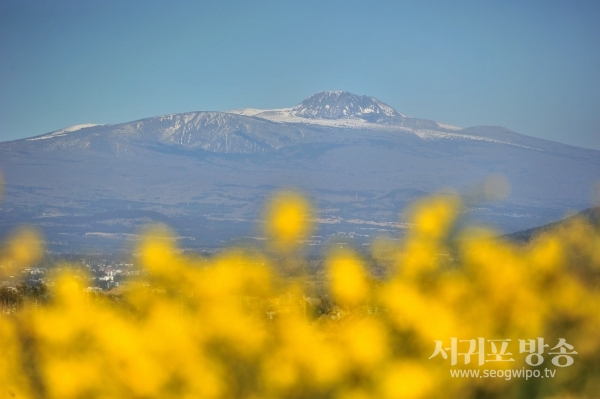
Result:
{"points": [[448, 127], [287, 115], [246, 111], [63, 132], [437, 135]]}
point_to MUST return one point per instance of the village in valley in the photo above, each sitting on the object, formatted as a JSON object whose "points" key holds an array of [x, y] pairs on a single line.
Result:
{"points": [[32, 284]]}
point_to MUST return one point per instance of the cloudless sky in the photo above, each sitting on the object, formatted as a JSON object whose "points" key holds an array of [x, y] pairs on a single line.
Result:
{"points": [[531, 66]]}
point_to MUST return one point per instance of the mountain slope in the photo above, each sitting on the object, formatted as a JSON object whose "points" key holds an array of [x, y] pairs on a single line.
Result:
{"points": [[590, 215]]}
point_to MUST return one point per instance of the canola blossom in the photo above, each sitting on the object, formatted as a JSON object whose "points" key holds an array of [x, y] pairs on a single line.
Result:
{"points": [[231, 326]]}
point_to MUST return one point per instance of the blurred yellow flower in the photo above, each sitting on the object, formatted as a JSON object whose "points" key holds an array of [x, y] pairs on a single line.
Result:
{"points": [[349, 284], [288, 220], [434, 216], [24, 247]]}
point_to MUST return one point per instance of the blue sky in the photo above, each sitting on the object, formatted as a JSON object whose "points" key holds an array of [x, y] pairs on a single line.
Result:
{"points": [[533, 66]]}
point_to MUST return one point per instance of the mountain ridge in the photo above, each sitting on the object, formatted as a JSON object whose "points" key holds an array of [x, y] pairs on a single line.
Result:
{"points": [[321, 109]]}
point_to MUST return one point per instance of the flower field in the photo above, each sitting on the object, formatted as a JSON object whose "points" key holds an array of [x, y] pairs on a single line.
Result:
{"points": [[234, 326]]}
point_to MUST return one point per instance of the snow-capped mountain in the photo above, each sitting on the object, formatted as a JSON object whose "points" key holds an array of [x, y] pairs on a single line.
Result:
{"points": [[208, 174]]}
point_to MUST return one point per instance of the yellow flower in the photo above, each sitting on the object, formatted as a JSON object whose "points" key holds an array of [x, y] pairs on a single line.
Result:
{"points": [[23, 248], [405, 380], [433, 217], [288, 220], [349, 284]]}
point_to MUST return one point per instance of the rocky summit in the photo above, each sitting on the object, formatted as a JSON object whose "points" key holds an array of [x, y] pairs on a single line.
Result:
{"points": [[341, 104]]}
